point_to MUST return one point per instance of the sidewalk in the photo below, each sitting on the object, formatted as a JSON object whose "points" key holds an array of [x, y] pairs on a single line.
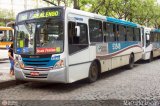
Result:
{"points": [[5, 79]]}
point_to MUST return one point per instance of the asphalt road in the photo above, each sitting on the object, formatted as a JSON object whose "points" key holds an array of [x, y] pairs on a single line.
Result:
{"points": [[140, 83]]}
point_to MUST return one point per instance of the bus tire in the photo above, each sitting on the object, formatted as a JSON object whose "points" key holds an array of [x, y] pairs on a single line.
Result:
{"points": [[93, 72], [150, 58], [131, 62]]}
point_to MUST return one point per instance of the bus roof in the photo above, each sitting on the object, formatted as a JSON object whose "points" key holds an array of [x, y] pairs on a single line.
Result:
{"points": [[121, 22], [5, 28], [155, 30]]}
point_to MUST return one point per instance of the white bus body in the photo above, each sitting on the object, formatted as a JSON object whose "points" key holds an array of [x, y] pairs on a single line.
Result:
{"points": [[79, 58]]}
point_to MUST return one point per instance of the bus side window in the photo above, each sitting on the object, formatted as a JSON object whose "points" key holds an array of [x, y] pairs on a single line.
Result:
{"points": [[117, 33], [129, 34], [152, 37], [114, 32], [137, 34], [77, 43], [95, 30], [106, 29], [122, 33], [155, 37]]}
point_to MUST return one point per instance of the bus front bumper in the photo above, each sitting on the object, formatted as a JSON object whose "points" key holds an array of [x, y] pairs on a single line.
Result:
{"points": [[56, 75]]}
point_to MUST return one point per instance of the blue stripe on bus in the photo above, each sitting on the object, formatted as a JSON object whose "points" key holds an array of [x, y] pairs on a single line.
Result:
{"points": [[116, 46], [121, 22], [155, 30]]}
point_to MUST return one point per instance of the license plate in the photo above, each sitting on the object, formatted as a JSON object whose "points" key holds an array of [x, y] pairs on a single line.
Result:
{"points": [[34, 73]]}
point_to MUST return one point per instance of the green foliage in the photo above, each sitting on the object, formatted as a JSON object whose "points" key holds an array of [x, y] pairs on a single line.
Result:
{"points": [[143, 12], [2, 24], [6, 14]]}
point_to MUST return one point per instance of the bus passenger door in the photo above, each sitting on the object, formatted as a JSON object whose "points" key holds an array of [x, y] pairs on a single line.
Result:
{"points": [[78, 51]]}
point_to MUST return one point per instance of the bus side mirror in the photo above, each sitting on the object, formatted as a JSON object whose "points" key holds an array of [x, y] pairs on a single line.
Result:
{"points": [[77, 28], [148, 37]]}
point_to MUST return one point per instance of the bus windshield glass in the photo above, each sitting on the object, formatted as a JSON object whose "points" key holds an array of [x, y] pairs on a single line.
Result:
{"points": [[43, 36]]}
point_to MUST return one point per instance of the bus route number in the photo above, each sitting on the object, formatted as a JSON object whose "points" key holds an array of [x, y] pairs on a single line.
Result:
{"points": [[116, 46]]}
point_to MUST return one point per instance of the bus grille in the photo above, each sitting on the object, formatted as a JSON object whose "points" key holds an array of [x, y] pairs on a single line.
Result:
{"points": [[36, 60]]}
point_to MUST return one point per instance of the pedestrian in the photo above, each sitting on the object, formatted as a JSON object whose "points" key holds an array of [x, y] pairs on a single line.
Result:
{"points": [[11, 58]]}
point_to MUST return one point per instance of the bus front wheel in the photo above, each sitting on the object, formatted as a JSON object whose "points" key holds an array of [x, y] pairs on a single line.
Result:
{"points": [[93, 72]]}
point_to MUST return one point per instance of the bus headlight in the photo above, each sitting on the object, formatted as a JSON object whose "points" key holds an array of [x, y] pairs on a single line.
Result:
{"points": [[59, 64]]}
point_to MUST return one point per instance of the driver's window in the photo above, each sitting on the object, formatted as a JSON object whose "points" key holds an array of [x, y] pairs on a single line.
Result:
{"points": [[75, 42]]}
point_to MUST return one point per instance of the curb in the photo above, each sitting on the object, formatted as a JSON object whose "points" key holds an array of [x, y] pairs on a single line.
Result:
{"points": [[4, 59], [9, 83]]}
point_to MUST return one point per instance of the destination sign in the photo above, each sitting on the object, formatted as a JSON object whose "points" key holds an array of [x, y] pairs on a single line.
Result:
{"points": [[34, 14], [45, 14]]}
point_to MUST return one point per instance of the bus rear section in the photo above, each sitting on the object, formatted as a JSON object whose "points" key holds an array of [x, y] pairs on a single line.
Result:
{"points": [[6, 37]]}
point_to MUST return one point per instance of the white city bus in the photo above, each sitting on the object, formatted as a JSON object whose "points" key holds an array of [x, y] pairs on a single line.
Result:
{"points": [[66, 45]]}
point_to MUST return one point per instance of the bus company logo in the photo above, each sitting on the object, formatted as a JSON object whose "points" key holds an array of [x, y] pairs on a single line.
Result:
{"points": [[101, 49], [55, 57], [78, 18]]}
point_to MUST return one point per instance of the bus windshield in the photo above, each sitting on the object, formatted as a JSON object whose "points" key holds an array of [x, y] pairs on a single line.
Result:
{"points": [[45, 36]]}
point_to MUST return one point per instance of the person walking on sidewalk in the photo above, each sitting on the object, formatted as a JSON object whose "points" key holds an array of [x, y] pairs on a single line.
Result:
{"points": [[11, 58]]}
